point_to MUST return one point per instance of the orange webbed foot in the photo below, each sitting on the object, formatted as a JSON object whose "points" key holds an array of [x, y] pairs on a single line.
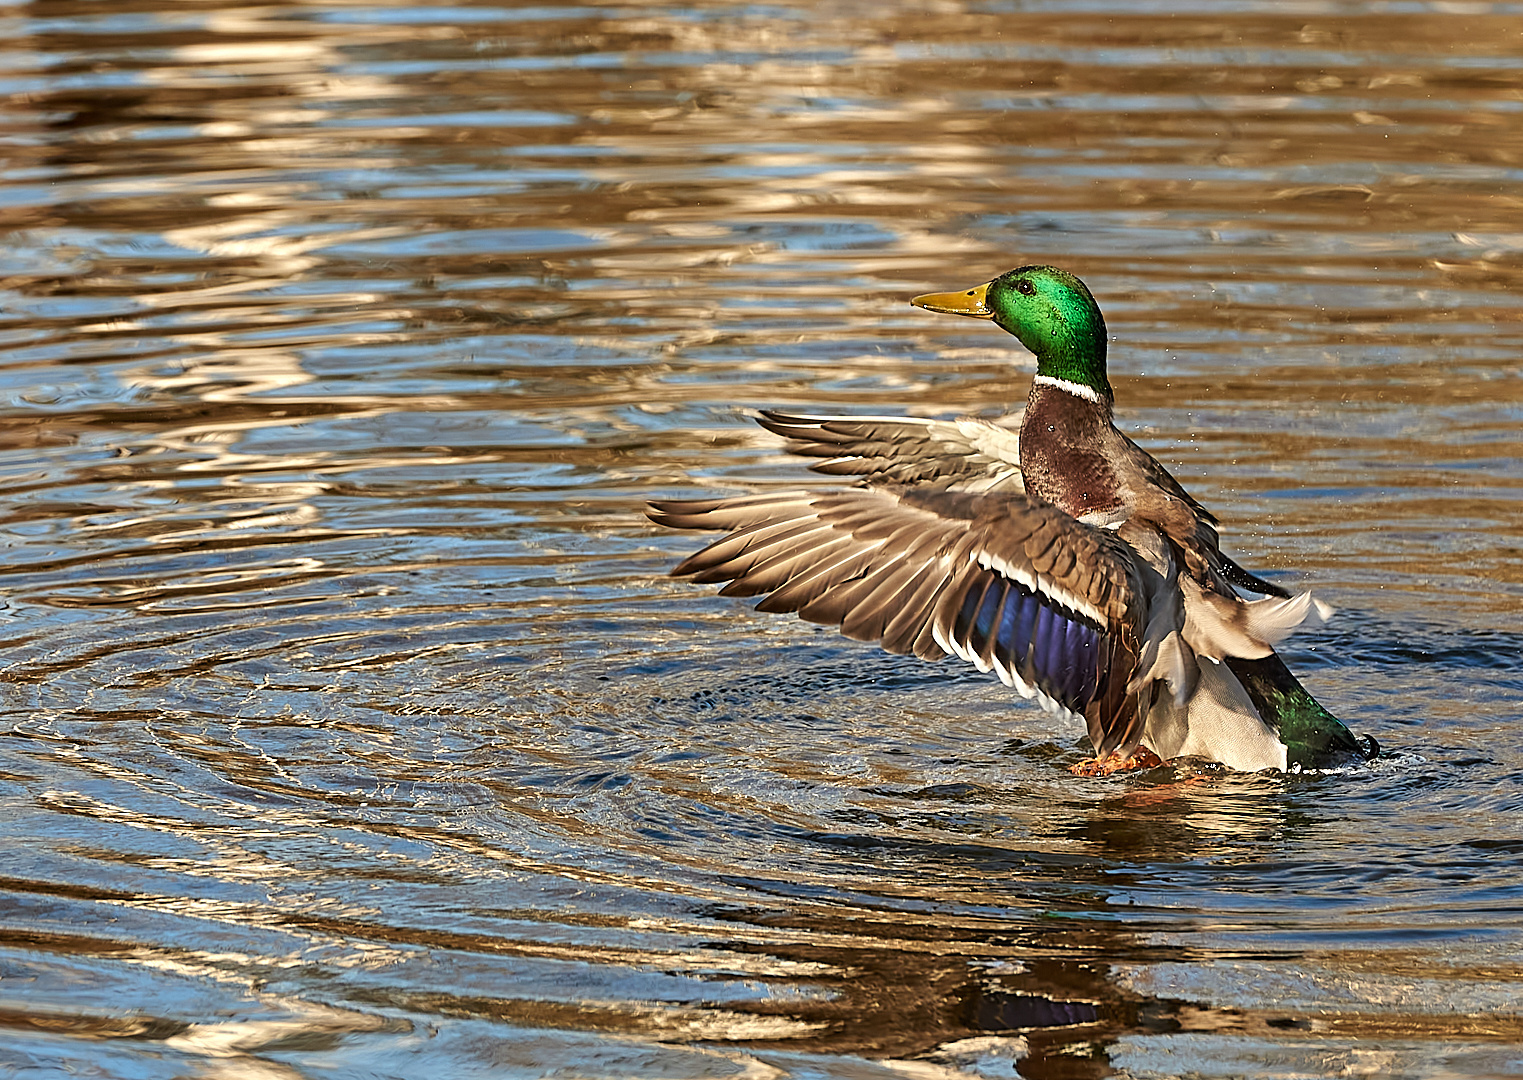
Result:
{"points": [[1142, 758]]}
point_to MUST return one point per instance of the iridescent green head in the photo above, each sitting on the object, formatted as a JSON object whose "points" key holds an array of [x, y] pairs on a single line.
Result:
{"points": [[1052, 314]]}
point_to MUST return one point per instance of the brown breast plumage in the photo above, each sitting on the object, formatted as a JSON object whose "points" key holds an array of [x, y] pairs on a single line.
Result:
{"points": [[1063, 443]]}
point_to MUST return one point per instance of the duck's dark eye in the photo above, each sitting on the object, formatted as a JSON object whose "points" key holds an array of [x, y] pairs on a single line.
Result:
{"points": [[1025, 288]]}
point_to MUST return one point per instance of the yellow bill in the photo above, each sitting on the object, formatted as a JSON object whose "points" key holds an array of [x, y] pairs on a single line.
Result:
{"points": [[970, 302]]}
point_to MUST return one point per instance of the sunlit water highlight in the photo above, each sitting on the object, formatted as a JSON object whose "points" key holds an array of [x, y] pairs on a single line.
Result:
{"points": [[349, 724]]}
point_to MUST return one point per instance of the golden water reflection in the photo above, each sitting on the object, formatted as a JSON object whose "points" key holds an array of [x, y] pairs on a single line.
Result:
{"points": [[347, 717]]}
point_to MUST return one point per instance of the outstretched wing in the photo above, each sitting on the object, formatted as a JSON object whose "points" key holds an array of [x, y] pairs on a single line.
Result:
{"points": [[1055, 607], [961, 455]]}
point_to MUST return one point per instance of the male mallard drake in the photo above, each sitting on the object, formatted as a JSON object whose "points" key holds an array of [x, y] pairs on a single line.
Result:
{"points": [[1067, 559]]}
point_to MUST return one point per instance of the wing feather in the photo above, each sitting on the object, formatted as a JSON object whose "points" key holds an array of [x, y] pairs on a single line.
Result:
{"points": [[1007, 582], [969, 453]]}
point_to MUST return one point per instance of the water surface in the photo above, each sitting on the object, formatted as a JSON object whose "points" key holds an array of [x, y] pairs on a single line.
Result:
{"points": [[350, 725]]}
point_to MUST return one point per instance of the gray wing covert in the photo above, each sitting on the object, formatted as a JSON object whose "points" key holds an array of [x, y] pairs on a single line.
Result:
{"points": [[966, 454]]}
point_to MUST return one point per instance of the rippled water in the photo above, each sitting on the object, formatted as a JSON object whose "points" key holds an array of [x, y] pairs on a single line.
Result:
{"points": [[351, 726]]}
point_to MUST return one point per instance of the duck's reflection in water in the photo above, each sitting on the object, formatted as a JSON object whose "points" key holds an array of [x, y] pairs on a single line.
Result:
{"points": [[909, 989], [1040, 983], [894, 976]]}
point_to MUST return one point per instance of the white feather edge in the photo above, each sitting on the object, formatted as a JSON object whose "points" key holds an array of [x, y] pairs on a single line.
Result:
{"points": [[1040, 584], [1035, 583], [1006, 676], [824, 418]]}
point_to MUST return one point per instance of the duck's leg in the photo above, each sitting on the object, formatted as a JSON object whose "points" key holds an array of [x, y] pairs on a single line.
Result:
{"points": [[1142, 758]]}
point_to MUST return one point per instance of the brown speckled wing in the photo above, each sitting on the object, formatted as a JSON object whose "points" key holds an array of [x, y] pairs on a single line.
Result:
{"points": [[1011, 584]]}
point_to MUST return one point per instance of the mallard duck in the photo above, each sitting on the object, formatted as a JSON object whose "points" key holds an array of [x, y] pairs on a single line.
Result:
{"points": [[1065, 559]]}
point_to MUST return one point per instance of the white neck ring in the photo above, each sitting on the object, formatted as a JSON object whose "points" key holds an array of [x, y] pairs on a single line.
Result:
{"points": [[1078, 390]]}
